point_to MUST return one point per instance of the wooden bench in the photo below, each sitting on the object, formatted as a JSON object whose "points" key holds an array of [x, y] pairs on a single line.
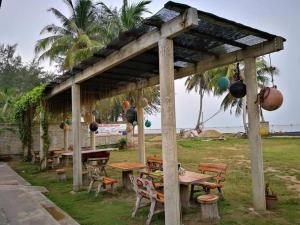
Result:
{"points": [[145, 189], [154, 163], [218, 170]]}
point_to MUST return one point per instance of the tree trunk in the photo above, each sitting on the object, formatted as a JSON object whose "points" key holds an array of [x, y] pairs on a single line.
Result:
{"points": [[244, 105], [201, 94]]}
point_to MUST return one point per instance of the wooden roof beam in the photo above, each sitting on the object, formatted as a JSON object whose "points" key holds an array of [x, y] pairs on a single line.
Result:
{"points": [[147, 41]]}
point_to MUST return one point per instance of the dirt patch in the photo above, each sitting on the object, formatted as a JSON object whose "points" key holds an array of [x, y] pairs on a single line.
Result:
{"points": [[155, 139], [271, 170], [57, 215], [293, 183]]}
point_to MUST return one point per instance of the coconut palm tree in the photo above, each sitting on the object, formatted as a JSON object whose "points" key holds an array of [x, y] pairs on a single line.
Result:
{"points": [[77, 36]]}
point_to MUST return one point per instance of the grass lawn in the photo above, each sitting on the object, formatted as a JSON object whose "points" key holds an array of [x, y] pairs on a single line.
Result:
{"points": [[282, 171]]}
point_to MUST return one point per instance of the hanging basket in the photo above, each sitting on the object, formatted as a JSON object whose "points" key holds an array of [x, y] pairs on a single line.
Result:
{"points": [[62, 125], [93, 126], [238, 89], [270, 98], [131, 115]]}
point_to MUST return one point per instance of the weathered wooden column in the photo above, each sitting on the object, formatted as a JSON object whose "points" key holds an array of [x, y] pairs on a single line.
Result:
{"points": [[141, 132], [257, 171], [76, 126], [168, 125]]}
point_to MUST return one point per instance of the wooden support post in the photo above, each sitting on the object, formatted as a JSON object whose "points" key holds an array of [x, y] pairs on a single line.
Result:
{"points": [[257, 171], [141, 132], [168, 122], [77, 167]]}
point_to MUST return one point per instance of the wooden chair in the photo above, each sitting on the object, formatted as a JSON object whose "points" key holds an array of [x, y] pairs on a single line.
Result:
{"points": [[94, 174], [154, 163], [144, 189], [218, 170], [99, 162]]}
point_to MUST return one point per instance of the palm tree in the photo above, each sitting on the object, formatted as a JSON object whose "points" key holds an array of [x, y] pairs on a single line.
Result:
{"points": [[76, 38]]}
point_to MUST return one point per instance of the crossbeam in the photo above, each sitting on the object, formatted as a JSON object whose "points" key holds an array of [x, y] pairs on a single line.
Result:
{"points": [[211, 62], [187, 20]]}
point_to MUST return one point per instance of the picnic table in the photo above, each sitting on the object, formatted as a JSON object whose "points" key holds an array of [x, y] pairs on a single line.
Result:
{"points": [[86, 153], [185, 180], [127, 169]]}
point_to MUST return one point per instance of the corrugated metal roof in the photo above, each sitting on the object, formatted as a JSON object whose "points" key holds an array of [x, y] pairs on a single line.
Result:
{"points": [[213, 36]]}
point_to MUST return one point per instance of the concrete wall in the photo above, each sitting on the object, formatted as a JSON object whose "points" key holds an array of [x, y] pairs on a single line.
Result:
{"points": [[10, 143]]}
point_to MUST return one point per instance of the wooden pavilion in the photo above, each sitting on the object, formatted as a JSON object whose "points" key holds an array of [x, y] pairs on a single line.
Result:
{"points": [[176, 42]]}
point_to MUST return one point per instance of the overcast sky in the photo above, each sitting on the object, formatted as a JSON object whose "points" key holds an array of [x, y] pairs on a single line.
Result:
{"points": [[22, 20]]}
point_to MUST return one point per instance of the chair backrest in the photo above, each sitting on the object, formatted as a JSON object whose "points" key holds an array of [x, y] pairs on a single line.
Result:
{"points": [[94, 172], [218, 168], [154, 163], [145, 188]]}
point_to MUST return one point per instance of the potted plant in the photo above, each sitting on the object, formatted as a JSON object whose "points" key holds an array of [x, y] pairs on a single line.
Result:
{"points": [[271, 198]]}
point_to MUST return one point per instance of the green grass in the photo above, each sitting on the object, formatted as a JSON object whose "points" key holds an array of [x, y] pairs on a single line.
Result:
{"points": [[281, 157]]}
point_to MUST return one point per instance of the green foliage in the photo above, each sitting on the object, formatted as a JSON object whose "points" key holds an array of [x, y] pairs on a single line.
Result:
{"points": [[122, 143], [24, 110]]}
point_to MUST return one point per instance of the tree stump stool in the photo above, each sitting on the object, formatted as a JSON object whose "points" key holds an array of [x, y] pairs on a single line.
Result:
{"points": [[85, 178], [209, 208], [61, 175]]}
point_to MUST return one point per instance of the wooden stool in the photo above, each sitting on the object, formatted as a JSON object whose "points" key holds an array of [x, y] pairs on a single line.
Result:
{"points": [[61, 175], [85, 178], [209, 208], [106, 181]]}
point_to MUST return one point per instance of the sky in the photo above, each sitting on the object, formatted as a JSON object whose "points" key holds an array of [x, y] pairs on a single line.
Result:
{"points": [[21, 22]]}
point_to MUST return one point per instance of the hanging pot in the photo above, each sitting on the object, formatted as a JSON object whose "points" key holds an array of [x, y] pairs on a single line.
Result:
{"points": [[147, 123], [223, 83], [68, 122], [125, 104], [270, 98], [62, 125], [134, 123], [93, 126], [144, 102], [238, 89], [131, 115]]}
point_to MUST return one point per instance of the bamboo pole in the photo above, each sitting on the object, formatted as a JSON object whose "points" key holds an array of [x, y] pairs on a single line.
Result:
{"points": [[257, 171], [168, 121]]}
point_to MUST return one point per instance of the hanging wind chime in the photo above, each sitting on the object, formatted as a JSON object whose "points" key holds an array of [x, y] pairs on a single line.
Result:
{"points": [[270, 98], [237, 89]]}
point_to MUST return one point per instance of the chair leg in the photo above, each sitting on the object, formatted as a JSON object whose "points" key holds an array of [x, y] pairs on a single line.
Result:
{"points": [[90, 186], [192, 191], [221, 192], [151, 211], [99, 189], [137, 205]]}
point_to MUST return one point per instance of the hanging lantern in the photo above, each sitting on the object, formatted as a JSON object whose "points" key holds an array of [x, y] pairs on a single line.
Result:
{"points": [[147, 123], [129, 128], [125, 104], [223, 83], [144, 102], [270, 98], [131, 115], [134, 123], [93, 126], [238, 89]]}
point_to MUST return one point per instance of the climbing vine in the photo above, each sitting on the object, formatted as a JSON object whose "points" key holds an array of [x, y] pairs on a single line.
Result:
{"points": [[25, 109]]}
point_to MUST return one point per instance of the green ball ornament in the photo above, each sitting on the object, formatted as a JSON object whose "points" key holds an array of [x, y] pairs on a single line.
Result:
{"points": [[223, 83], [147, 123]]}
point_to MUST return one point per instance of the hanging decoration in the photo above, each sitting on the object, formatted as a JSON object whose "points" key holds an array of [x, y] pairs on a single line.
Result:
{"points": [[134, 123], [93, 126], [125, 104], [147, 123], [62, 125], [238, 89], [144, 102], [131, 115], [270, 98], [223, 83], [68, 122]]}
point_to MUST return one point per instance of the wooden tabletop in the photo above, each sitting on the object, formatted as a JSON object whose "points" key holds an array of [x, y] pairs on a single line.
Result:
{"points": [[190, 177], [70, 153], [127, 166]]}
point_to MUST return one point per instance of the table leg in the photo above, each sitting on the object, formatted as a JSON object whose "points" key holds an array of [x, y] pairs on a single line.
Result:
{"points": [[126, 180], [184, 196]]}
